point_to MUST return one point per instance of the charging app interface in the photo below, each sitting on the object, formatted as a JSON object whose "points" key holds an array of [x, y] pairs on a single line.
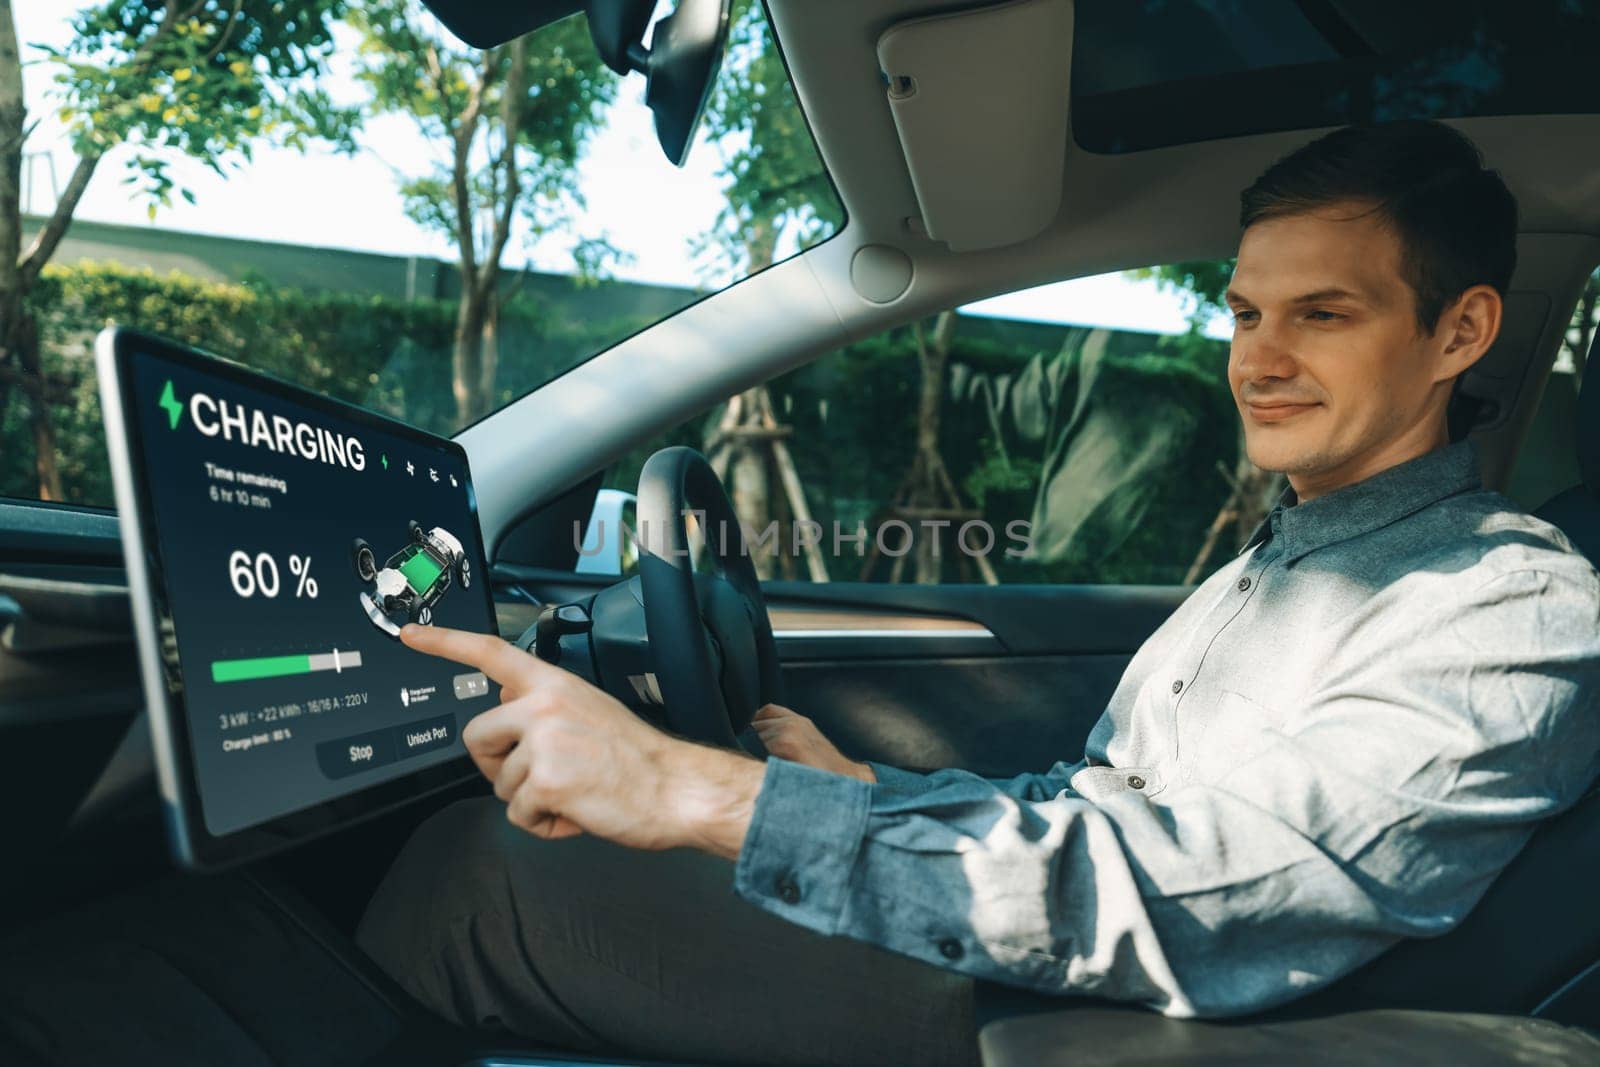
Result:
{"points": [[294, 546]]}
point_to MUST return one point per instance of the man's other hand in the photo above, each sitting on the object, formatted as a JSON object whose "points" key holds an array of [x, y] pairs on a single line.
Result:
{"points": [[791, 736], [568, 758]]}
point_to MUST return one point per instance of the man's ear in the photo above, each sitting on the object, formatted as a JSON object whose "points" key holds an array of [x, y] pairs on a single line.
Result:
{"points": [[1467, 329]]}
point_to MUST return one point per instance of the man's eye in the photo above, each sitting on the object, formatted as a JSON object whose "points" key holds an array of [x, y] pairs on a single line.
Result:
{"points": [[1242, 316], [1326, 316]]}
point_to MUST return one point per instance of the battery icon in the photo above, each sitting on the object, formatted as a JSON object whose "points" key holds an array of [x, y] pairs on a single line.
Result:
{"points": [[245, 670]]}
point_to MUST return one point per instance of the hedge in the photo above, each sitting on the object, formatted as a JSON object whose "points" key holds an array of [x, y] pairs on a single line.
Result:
{"points": [[383, 353], [852, 411]]}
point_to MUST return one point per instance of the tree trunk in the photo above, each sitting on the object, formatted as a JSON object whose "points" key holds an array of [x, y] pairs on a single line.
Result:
{"points": [[1261, 491], [749, 481], [928, 476], [25, 337], [927, 492], [1254, 493], [12, 118], [472, 316], [931, 358], [19, 335], [489, 357], [752, 488], [19, 329]]}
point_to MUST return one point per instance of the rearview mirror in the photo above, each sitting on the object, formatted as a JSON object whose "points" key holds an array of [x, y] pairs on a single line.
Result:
{"points": [[679, 66]]}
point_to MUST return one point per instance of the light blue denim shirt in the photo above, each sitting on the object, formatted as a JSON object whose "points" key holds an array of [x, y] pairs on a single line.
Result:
{"points": [[1336, 742]]}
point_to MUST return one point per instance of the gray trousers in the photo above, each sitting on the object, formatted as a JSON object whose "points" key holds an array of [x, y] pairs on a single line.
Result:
{"points": [[583, 945]]}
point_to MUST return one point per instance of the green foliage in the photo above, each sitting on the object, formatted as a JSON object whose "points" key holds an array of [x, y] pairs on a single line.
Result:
{"points": [[1203, 280], [205, 82], [1158, 394], [858, 402], [997, 476], [457, 96], [595, 259], [775, 177], [1112, 457], [853, 414], [386, 354]]}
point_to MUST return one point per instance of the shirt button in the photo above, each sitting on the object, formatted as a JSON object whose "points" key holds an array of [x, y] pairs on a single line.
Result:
{"points": [[788, 892], [1135, 782], [1244, 583], [1177, 687], [951, 949]]}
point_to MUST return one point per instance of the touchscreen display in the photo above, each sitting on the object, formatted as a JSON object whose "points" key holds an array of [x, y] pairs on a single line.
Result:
{"points": [[293, 544]]}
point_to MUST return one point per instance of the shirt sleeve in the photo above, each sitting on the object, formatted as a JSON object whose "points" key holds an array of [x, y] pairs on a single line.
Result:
{"points": [[1023, 786], [1386, 808]]}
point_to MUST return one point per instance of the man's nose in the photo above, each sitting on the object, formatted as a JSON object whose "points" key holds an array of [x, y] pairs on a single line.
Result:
{"points": [[1263, 352]]}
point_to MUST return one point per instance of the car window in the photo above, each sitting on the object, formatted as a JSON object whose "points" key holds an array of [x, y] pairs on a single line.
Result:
{"points": [[1082, 432], [278, 183], [1547, 460]]}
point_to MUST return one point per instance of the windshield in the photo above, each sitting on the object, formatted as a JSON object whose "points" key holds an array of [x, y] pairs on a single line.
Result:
{"points": [[344, 195]]}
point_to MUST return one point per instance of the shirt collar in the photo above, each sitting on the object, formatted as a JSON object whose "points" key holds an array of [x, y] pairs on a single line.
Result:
{"points": [[1386, 497]]}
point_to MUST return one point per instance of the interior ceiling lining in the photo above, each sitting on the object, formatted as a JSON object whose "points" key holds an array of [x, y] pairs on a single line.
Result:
{"points": [[1190, 190]]}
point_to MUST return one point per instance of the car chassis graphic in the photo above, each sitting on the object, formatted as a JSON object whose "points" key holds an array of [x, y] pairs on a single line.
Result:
{"points": [[413, 580]]}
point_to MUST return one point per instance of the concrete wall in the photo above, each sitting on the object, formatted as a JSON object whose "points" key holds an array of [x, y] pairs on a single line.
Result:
{"points": [[228, 259]]}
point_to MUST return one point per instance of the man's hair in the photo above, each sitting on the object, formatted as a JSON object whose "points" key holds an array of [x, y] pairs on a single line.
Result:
{"points": [[1456, 220]]}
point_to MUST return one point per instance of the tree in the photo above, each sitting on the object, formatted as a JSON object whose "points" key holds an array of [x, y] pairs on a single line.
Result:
{"points": [[776, 188], [514, 120], [201, 78], [1252, 491], [1203, 280], [927, 493]]}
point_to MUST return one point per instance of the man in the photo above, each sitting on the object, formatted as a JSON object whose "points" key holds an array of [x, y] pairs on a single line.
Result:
{"points": [[1336, 742]]}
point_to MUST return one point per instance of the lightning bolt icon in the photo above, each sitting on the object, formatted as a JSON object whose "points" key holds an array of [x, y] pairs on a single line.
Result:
{"points": [[170, 404]]}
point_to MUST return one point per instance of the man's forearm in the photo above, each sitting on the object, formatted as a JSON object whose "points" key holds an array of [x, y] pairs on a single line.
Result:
{"points": [[712, 796]]}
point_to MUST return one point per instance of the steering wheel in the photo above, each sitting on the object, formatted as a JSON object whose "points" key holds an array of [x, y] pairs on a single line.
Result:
{"points": [[710, 637]]}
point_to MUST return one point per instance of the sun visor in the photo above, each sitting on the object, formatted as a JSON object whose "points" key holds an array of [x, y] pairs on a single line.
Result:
{"points": [[980, 102]]}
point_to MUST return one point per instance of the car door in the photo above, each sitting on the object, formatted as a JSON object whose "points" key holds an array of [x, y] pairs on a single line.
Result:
{"points": [[958, 581]]}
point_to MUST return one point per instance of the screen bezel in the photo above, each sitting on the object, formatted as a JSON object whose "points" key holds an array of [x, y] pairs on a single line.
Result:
{"points": [[193, 845]]}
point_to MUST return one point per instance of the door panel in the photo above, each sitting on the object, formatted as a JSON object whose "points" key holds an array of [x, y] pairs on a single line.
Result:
{"points": [[1027, 619], [1015, 681], [995, 679], [995, 715]]}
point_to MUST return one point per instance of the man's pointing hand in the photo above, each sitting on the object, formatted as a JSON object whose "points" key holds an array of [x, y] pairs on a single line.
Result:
{"points": [[568, 758]]}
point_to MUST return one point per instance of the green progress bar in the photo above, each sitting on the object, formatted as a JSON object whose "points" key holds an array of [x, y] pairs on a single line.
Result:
{"points": [[243, 670]]}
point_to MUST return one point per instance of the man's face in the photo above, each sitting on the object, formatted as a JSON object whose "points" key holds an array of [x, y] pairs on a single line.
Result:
{"points": [[1331, 374]]}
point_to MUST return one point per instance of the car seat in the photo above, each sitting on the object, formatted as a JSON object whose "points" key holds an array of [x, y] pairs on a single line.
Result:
{"points": [[1531, 947]]}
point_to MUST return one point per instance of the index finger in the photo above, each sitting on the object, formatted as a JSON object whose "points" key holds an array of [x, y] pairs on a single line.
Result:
{"points": [[494, 656]]}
